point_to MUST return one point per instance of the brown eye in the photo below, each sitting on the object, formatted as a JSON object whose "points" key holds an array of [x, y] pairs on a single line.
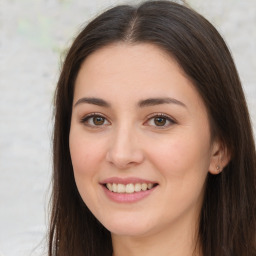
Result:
{"points": [[160, 121], [94, 120], [98, 120]]}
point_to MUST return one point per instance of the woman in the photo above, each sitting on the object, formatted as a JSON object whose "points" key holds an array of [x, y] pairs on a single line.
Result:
{"points": [[153, 146]]}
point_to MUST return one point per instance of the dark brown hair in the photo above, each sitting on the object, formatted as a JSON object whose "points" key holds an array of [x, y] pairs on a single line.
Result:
{"points": [[227, 222]]}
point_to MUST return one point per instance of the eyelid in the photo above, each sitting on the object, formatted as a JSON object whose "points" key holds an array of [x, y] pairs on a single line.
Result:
{"points": [[166, 116], [170, 119], [94, 114]]}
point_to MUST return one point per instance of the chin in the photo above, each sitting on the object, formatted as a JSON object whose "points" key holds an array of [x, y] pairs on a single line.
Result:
{"points": [[128, 228], [131, 231]]}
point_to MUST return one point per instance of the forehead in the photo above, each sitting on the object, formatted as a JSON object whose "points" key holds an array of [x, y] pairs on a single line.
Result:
{"points": [[147, 54], [128, 63], [133, 71]]}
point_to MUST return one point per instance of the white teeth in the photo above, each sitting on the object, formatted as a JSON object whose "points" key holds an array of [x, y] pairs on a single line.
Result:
{"points": [[129, 188], [120, 188], [137, 187], [109, 186], [150, 185], [114, 187], [144, 186]]}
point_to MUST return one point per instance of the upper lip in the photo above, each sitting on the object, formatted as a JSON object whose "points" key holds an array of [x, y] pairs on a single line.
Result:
{"points": [[125, 181]]}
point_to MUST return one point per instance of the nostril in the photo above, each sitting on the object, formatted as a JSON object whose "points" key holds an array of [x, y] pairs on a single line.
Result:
{"points": [[124, 156]]}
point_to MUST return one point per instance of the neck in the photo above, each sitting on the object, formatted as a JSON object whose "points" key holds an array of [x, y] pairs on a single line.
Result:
{"points": [[170, 241]]}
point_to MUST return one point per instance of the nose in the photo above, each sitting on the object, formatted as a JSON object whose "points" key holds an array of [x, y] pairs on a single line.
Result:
{"points": [[125, 150]]}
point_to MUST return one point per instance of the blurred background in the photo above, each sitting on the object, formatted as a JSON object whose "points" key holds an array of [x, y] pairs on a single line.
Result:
{"points": [[33, 37]]}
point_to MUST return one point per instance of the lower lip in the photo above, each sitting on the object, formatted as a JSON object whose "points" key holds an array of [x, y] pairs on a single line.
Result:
{"points": [[127, 198]]}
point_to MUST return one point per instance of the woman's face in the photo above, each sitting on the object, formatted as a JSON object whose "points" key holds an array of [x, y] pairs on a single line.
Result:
{"points": [[140, 140]]}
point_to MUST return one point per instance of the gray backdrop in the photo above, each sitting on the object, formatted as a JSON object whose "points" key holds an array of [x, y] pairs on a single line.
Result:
{"points": [[33, 36]]}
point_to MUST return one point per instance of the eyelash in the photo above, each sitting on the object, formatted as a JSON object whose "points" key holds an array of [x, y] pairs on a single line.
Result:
{"points": [[85, 120], [167, 118]]}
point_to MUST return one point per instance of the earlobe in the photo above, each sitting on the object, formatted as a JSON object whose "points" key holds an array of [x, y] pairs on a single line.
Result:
{"points": [[219, 159]]}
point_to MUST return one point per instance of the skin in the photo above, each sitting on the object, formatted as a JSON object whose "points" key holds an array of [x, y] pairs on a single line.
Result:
{"points": [[128, 142]]}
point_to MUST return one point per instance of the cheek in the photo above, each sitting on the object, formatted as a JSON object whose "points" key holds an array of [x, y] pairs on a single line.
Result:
{"points": [[86, 152], [182, 156], [183, 164], [86, 157]]}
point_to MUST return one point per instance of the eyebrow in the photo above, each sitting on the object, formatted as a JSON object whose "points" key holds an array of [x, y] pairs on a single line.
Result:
{"points": [[93, 101], [159, 101], [143, 103]]}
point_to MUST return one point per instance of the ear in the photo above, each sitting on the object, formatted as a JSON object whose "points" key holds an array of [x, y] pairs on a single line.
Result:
{"points": [[220, 157]]}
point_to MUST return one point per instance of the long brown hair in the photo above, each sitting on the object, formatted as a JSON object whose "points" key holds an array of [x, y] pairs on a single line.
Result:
{"points": [[227, 222]]}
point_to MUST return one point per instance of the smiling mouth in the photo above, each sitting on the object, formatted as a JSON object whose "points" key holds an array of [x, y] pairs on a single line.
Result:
{"points": [[129, 188]]}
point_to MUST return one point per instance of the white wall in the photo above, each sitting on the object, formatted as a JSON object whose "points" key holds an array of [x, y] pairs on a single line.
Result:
{"points": [[33, 34]]}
